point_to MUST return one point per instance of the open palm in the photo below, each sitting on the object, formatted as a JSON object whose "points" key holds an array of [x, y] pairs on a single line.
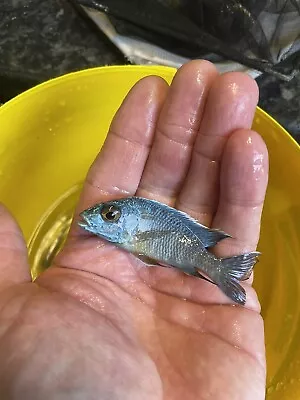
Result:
{"points": [[99, 324]]}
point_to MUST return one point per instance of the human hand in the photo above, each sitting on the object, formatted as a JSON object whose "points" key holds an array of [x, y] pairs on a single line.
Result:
{"points": [[99, 324]]}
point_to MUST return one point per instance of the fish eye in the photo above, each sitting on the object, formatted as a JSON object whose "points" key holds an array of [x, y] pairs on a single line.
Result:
{"points": [[110, 213]]}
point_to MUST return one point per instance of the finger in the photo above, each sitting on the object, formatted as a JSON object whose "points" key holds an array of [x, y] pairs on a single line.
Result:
{"points": [[230, 105], [136, 278], [117, 170], [244, 178], [176, 132], [14, 267], [173, 282]]}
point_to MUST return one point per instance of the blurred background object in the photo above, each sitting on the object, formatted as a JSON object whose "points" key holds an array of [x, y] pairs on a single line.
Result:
{"points": [[249, 36], [42, 39]]}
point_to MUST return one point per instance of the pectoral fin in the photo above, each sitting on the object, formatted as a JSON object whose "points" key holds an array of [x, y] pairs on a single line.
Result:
{"points": [[150, 235], [146, 216]]}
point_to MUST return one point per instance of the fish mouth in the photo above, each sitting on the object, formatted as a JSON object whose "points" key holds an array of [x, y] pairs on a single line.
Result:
{"points": [[85, 223]]}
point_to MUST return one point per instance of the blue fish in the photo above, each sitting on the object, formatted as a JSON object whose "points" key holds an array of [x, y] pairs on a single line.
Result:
{"points": [[163, 235]]}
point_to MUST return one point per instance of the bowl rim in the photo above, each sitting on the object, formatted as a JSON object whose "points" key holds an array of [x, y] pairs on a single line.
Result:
{"points": [[149, 69]]}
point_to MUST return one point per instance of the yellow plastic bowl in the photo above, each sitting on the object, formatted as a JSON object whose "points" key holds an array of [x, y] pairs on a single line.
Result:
{"points": [[51, 134]]}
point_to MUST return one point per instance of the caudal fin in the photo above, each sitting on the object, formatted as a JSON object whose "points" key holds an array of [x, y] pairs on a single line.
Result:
{"points": [[233, 290], [234, 269]]}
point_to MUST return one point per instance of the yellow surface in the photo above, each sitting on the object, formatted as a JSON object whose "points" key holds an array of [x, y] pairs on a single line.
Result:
{"points": [[50, 135]]}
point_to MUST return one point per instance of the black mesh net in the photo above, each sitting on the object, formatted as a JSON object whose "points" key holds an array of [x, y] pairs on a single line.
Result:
{"points": [[260, 34], [267, 30]]}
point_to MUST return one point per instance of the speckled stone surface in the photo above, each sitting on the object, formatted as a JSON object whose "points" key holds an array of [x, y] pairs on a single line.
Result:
{"points": [[46, 38], [40, 39]]}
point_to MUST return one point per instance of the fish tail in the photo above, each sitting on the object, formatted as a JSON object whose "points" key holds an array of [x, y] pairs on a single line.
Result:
{"points": [[234, 269]]}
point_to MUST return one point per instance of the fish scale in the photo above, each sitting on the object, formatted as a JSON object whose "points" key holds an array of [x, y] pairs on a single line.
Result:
{"points": [[178, 249], [164, 235]]}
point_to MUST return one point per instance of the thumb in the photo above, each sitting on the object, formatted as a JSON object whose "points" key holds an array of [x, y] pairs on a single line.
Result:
{"points": [[14, 267]]}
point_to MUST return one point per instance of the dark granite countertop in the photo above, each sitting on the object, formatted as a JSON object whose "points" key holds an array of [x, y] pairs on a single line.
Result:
{"points": [[41, 39]]}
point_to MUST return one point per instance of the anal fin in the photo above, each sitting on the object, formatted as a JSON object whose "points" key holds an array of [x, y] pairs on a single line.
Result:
{"points": [[146, 260], [200, 275]]}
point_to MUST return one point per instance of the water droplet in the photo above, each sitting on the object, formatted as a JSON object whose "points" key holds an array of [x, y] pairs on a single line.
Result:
{"points": [[279, 385], [50, 129], [270, 389]]}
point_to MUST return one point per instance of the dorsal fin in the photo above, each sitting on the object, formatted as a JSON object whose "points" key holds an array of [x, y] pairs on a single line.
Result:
{"points": [[208, 237]]}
